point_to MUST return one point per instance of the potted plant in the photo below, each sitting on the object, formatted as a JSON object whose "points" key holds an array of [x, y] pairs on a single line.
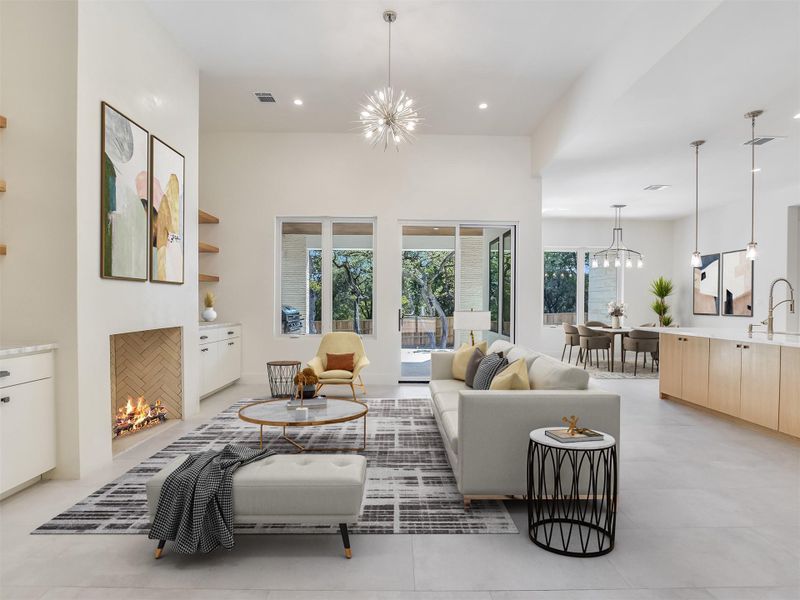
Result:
{"points": [[209, 314], [306, 382], [661, 288], [616, 311]]}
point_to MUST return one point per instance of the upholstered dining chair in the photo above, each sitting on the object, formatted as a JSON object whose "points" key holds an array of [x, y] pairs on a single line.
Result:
{"points": [[597, 324], [640, 341], [571, 338], [593, 340], [340, 343]]}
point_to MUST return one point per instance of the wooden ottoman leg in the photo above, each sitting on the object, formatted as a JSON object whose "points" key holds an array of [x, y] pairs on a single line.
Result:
{"points": [[345, 540], [160, 549]]}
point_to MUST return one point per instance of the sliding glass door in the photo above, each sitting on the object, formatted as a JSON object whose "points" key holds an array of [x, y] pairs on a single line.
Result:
{"points": [[449, 268]]}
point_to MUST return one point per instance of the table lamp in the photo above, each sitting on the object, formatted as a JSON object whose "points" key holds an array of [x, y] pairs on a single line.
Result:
{"points": [[472, 320]]}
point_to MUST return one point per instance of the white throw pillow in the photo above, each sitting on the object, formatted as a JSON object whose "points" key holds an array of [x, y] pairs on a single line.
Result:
{"points": [[548, 374], [518, 352], [500, 346]]}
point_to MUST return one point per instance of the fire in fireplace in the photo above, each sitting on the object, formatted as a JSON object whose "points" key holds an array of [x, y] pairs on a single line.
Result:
{"points": [[141, 415]]}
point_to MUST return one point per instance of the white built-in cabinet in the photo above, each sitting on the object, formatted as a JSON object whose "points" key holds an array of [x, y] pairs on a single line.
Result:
{"points": [[27, 418], [220, 357]]}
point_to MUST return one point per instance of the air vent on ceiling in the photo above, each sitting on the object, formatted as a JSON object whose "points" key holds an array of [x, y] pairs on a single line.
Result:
{"points": [[763, 139], [264, 96], [656, 187]]}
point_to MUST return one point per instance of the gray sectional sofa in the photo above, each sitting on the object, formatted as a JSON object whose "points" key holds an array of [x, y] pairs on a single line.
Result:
{"points": [[486, 432]]}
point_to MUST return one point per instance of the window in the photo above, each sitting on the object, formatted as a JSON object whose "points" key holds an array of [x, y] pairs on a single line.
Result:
{"points": [[570, 298], [560, 288], [494, 283], [352, 277], [326, 276]]}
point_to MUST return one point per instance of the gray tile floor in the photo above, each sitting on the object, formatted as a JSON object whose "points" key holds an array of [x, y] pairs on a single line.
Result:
{"points": [[709, 508]]}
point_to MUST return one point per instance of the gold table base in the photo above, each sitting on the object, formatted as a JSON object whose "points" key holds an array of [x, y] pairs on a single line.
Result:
{"points": [[301, 448]]}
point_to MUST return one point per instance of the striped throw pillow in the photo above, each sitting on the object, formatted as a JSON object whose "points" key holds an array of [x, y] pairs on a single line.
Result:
{"points": [[490, 366]]}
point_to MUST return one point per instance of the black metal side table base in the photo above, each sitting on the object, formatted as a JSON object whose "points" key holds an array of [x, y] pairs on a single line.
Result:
{"points": [[572, 499]]}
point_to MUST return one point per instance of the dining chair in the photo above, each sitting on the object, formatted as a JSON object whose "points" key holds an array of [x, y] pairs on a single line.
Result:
{"points": [[593, 340], [640, 341], [571, 338]]}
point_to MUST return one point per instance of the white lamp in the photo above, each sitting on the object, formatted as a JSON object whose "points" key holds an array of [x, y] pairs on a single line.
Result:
{"points": [[472, 320]]}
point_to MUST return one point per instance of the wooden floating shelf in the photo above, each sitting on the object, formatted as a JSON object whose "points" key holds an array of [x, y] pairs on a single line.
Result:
{"points": [[2, 185], [2, 249], [204, 217], [208, 278], [203, 247], [2, 122]]}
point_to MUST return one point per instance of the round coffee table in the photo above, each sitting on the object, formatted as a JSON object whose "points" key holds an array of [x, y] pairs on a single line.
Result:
{"points": [[274, 413], [572, 494]]}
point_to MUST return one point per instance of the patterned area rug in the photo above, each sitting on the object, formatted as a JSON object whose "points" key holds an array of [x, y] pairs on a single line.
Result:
{"points": [[410, 485]]}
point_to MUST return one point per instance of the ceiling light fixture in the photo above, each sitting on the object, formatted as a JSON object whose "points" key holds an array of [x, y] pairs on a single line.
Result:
{"points": [[752, 247], [697, 260], [618, 250], [657, 187], [483, 106], [298, 102], [387, 118]]}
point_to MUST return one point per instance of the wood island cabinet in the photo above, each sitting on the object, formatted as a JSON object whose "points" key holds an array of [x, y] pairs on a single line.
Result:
{"points": [[789, 414], [683, 368], [761, 377], [725, 377]]}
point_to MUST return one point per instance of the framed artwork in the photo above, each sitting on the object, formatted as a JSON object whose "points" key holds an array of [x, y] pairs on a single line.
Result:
{"points": [[166, 213], [737, 284], [123, 197], [705, 296]]}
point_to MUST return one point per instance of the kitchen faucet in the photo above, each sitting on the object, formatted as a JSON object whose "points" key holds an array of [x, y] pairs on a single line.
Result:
{"points": [[770, 320]]}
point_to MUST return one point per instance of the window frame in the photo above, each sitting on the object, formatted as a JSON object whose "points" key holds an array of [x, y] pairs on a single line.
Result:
{"points": [[326, 243]]}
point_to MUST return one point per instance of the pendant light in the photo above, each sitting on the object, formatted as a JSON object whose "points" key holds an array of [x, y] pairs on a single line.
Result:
{"points": [[618, 250], [697, 260], [752, 247]]}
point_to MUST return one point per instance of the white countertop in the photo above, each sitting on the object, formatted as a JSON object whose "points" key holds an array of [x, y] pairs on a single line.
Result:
{"points": [[733, 335], [216, 324], [7, 350]]}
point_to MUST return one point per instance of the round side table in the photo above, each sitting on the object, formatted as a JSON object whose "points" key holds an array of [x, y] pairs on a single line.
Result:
{"points": [[572, 494], [280, 374]]}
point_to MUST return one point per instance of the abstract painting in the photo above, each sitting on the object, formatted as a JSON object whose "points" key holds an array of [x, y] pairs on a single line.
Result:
{"points": [[166, 213], [123, 197], [706, 286], [737, 284]]}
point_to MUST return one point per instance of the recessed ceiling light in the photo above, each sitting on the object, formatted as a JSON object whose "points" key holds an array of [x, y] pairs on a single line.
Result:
{"points": [[756, 170], [483, 106], [298, 102], [657, 187], [797, 116]]}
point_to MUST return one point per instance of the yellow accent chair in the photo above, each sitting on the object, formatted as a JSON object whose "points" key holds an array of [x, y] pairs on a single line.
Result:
{"points": [[340, 342]]}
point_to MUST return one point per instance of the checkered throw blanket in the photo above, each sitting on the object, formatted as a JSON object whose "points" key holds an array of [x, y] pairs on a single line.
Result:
{"points": [[195, 507]]}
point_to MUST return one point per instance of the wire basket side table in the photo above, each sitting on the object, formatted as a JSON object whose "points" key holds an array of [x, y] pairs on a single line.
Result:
{"points": [[280, 374]]}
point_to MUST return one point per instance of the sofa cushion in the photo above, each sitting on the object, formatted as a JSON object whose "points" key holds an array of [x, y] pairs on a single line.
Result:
{"points": [[462, 356], [472, 366], [446, 401], [489, 367], [500, 346], [518, 352], [438, 386], [450, 424], [513, 377], [549, 374]]}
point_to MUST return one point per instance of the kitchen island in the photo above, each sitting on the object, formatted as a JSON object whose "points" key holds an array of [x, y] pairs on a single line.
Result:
{"points": [[753, 377]]}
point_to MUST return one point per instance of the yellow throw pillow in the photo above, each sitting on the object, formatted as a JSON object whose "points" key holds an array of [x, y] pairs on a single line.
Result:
{"points": [[461, 358], [513, 377]]}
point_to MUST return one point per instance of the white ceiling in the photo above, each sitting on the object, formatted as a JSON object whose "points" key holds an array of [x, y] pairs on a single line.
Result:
{"points": [[637, 82], [519, 57]]}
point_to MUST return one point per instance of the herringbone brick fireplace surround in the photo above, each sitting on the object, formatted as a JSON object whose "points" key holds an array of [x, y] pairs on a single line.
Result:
{"points": [[146, 379]]}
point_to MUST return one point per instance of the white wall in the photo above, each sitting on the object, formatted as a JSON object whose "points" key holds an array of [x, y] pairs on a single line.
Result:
{"points": [[250, 179], [126, 59], [38, 287], [651, 238]]}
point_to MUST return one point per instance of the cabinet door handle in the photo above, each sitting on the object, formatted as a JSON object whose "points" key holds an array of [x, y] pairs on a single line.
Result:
{"points": [[203, 337], [230, 343], [5, 373], [746, 347], [203, 349], [738, 345], [5, 399], [230, 333]]}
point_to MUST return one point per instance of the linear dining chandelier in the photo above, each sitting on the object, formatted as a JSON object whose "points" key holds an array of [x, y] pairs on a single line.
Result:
{"points": [[387, 117], [617, 251]]}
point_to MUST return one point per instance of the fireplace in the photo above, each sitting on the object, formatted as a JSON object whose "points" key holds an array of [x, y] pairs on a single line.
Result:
{"points": [[146, 379]]}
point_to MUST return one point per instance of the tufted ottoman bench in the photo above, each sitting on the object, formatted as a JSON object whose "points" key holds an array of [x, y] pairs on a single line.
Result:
{"points": [[288, 488]]}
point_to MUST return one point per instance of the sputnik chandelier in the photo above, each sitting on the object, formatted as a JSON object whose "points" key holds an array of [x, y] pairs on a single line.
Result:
{"points": [[617, 251], [387, 117]]}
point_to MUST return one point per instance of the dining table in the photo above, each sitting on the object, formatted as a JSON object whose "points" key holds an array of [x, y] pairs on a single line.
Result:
{"points": [[613, 332]]}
